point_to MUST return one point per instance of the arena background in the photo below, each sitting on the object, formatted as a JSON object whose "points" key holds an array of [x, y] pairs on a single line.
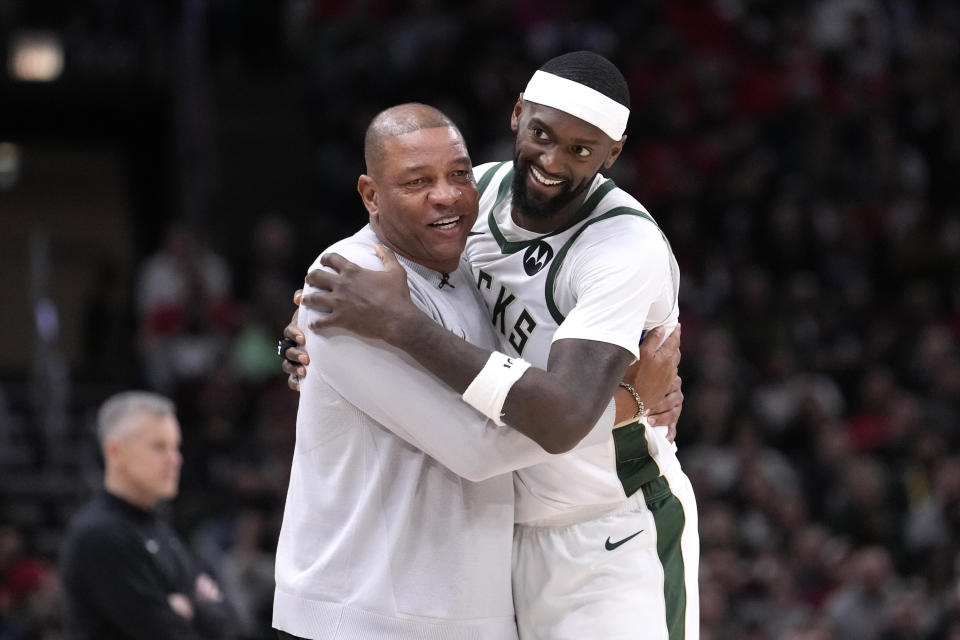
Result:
{"points": [[802, 157]]}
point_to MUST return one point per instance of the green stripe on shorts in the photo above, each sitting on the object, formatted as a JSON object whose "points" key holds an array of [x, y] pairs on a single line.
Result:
{"points": [[668, 515], [638, 471], [635, 467]]}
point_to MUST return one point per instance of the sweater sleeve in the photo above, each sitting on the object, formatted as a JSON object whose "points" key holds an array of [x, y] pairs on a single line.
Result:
{"points": [[391, 388]]}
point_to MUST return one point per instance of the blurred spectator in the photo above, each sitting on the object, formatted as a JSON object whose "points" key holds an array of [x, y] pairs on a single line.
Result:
{"points": [[185, 308], [934, 521], [268, 274], [30, 592], [862, 604], [865, 506]]}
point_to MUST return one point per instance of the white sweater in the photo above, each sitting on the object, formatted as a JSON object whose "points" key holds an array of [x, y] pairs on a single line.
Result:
{"points": [[399, 515]]}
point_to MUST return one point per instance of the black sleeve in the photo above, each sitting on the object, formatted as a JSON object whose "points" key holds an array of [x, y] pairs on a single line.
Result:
{"points": [[215, 620], [116, 577]]}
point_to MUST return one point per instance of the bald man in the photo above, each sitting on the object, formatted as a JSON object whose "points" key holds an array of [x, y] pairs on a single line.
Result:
{"points": [[399, 516]]}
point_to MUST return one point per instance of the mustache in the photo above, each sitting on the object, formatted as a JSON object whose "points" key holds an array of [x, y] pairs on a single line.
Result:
{"points": [[524, 201]]}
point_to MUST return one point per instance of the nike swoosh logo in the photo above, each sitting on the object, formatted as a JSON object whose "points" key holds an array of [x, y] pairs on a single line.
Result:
{"points": [[610, 546], [475, 233]]}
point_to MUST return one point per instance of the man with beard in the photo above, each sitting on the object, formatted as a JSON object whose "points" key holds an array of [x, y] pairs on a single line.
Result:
{"points": [[400, 509], [573, 271]]}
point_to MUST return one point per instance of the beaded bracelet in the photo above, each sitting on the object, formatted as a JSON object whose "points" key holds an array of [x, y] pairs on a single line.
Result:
{"points": [[642, 409]]}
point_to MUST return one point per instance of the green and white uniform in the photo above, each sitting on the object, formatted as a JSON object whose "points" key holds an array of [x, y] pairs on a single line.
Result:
{"points": [[608, 277]]}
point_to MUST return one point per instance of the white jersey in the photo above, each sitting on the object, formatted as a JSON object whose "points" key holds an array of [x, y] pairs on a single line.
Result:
{"points": [[608, 277], [399, 516]]}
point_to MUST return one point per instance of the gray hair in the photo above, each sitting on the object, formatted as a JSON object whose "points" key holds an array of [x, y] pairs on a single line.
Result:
{"points": [[117, 413]]}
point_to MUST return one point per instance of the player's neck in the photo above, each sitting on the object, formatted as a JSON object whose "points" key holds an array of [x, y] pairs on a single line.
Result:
{"points": [[549, 223]]}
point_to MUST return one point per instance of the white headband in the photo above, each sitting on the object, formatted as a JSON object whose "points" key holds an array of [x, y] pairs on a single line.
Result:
{"points": [[578, 100]]}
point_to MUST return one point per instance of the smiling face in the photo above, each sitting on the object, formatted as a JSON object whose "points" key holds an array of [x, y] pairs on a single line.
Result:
{"points": [[556, 157], [421, 196]]}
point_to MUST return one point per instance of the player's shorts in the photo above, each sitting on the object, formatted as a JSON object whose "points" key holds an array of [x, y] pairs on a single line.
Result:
{"points": [[630, 574]]}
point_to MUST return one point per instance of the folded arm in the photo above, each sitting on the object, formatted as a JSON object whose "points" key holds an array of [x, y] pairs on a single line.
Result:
{"points": [[121, 583]]}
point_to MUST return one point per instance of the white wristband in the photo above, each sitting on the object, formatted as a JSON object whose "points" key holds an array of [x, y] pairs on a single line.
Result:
{"points": [[489, 389]]}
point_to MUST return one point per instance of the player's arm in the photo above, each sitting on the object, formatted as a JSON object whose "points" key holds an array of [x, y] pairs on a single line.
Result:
{"points": [[387, 385], [555, 407], [665, 413]]}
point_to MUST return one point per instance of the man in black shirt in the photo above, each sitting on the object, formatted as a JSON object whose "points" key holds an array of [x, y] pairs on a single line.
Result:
{"points": [[125, 572]]}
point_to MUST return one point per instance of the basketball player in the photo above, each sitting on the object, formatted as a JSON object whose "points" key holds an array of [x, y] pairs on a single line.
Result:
{"points": [[572, 270]]}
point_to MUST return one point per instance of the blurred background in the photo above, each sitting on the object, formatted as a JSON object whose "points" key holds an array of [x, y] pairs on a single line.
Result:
{"points": [[169, 168]]}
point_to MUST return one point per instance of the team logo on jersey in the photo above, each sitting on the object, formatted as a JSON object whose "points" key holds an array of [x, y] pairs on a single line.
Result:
{"points": [[536, 257]]}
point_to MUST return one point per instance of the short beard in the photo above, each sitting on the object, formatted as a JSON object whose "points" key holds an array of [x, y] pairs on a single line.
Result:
{"points": [[534, 208]]}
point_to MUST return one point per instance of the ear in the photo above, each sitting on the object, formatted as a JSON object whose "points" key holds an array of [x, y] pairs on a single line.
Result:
{"points": [[515, 114], [615, 150], [367, 188], [112, 450]]}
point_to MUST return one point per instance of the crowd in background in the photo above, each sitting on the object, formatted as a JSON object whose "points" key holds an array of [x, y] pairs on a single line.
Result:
{"points": [[801, 157]]}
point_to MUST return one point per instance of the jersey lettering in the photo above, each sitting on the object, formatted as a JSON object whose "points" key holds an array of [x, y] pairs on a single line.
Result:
{"points": [[521, 331], [484, 280], [525, 324], [504, 300]]}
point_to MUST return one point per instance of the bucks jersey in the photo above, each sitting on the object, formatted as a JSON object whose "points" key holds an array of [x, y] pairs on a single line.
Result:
{"points": [[608, 277]]}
